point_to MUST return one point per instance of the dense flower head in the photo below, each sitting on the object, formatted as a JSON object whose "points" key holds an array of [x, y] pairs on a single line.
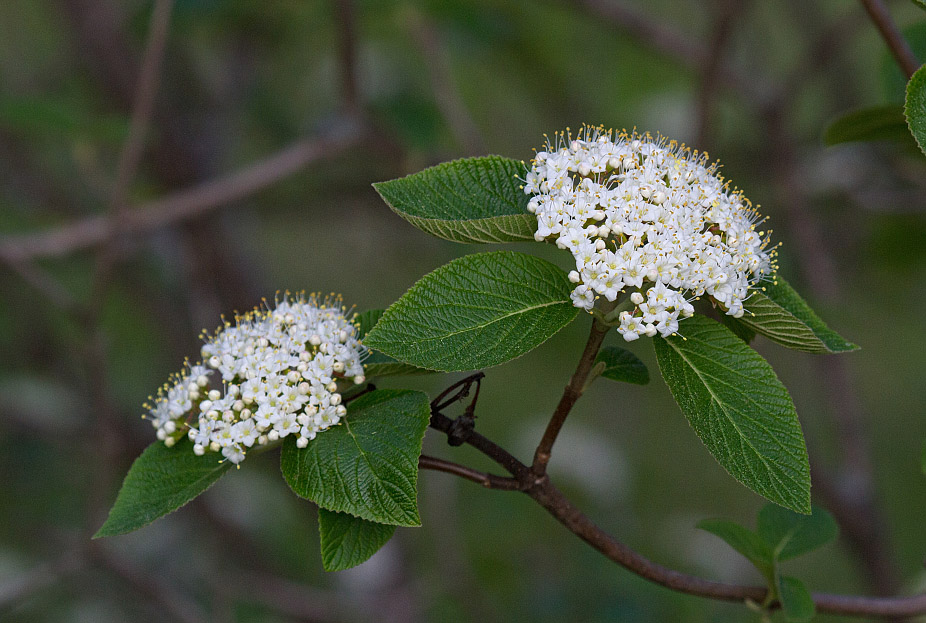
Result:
{"points": [[275, 372], [650, 217]]}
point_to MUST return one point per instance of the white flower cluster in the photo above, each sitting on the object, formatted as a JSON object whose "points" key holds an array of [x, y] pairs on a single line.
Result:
{"points": [[275, 373], [646, 214]]}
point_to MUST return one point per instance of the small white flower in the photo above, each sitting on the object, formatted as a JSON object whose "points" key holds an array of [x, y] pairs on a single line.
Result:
{"points": [[274, 373], [642, 212]]}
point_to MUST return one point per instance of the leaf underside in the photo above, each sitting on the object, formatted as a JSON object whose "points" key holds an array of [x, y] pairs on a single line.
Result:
{"points": [[622, 365], [875, 123], [347, 541], [780, 314]]}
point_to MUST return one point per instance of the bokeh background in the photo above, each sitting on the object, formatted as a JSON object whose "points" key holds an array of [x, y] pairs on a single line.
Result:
{"points": [[269, 122]]}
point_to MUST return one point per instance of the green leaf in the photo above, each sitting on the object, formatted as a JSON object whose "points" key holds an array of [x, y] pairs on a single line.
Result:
{"points": [[780, 314], [477, 311], [790, 534], [470, 200], [622, 365], [743, 540], [739, 328], [378, 364], [347, 541], [159, 482], [920, 3], [367, 465], [796, 601], [875, 123], [915, 108], [738, 408]]}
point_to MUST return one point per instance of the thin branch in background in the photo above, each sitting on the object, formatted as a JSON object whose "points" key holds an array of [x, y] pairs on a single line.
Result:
{"points": [[189, 203], [14, 592], [289, 598], [45, 284], [867, 537], [728, 12], [166, 598], [443, 86], [892, 36], [674, 45], [105, 435], [345, 16]]}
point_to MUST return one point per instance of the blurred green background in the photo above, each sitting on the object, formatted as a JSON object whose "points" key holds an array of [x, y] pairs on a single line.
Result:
{"points": [[754, 83]]}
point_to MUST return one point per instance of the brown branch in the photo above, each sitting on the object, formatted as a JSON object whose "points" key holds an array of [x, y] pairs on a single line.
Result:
{"points": [[898, 46], [570, 395], [185, 204], [553, 500], [489, 448], [489, 481]]}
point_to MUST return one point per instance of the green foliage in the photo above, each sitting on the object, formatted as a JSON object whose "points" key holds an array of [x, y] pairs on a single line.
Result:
{"points": [[378, 364], [476, 311], [791, 534], [159, 482], [915, 108], [347, 541], [920, 3], [743, 540], [780, 314], [622, 365], [739, 328], [874, 123], [368, 465], [739, 409], [782, 535], [796, 602], [469, 200]]}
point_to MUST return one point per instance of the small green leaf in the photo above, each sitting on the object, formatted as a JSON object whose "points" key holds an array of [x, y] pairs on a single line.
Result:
{"points": [[915, 108], [622, 365], [743, 540], [347, 541], [367, 465], [780, 314], [378, 364], [739, 409], [875, 123], [477, 311], [739, 328], [790, 534], [470, 200], [920, 3], [796, 601], [159, 482]]}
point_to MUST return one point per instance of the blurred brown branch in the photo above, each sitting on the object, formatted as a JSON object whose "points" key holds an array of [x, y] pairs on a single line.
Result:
{"points": [[186, 204], [892, 36]]}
